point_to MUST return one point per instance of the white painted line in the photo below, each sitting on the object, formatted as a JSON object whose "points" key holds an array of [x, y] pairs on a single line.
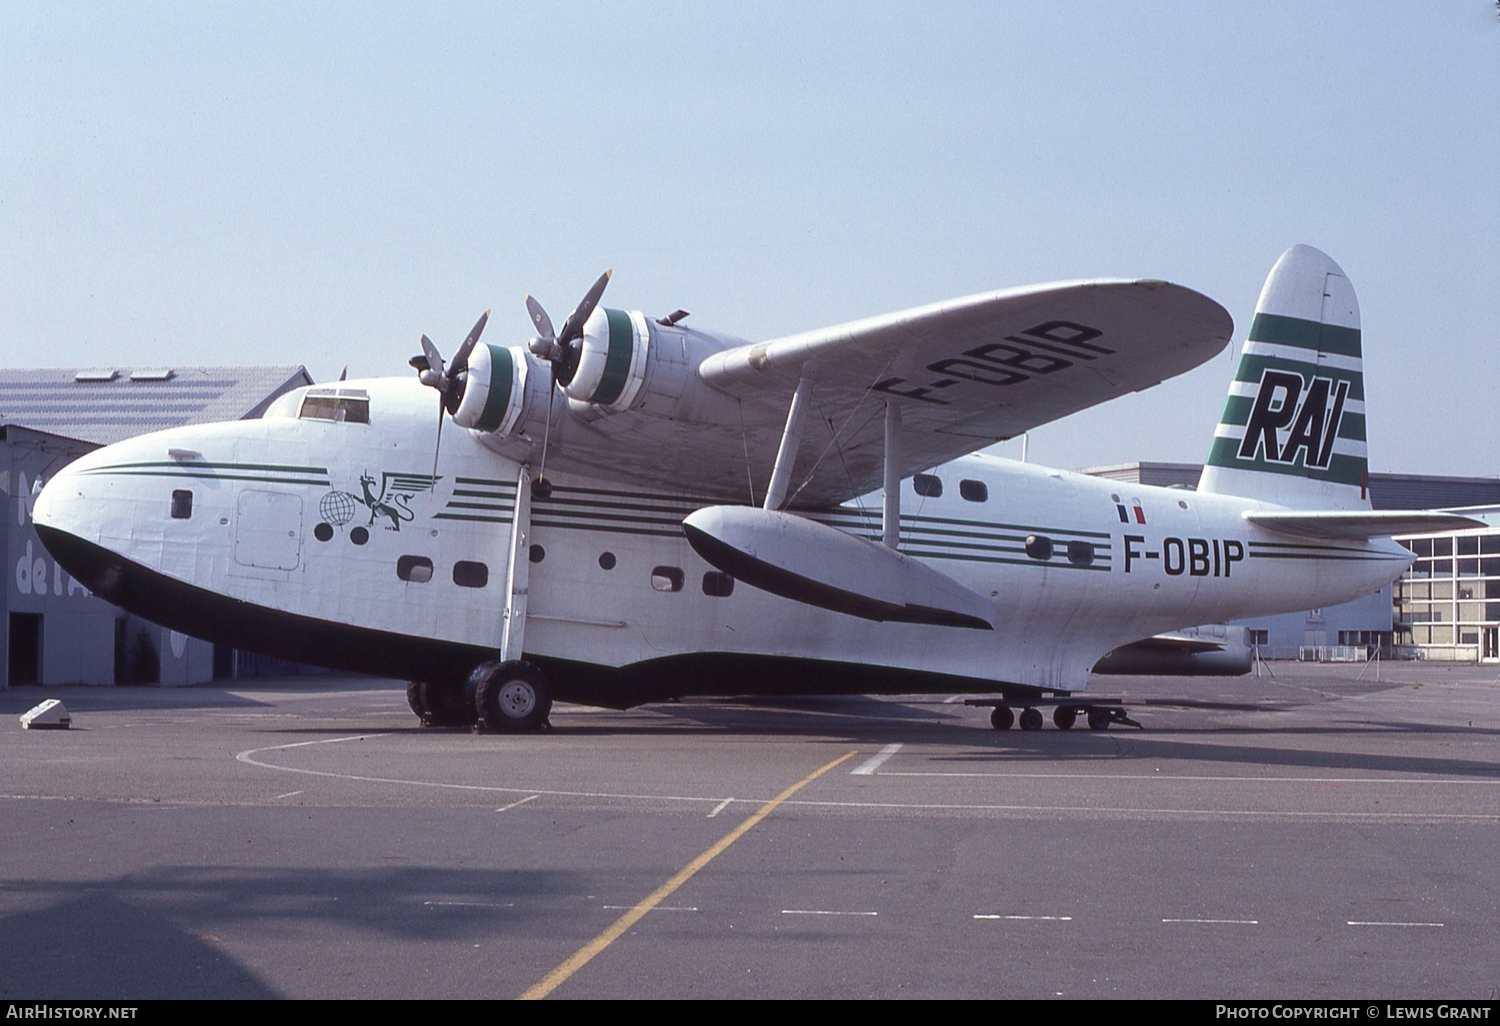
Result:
{"points": [[289, 794], [248, 757], [720, 807], [523, 801], [1355, 922], [873, 763], [1052, 919], [1195, 779], [822, 912], [658, 908], [1236, 922], [472, 904]]}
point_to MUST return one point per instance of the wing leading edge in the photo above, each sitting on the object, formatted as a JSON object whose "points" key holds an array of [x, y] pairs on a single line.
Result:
{"points": [[969, 372]]}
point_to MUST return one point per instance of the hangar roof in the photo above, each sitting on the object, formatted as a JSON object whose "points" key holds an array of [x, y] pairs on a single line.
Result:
{"points": [[104, 405]]}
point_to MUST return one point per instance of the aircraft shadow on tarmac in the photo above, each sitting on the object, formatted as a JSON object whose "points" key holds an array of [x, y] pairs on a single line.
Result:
{"points": [[131, 937]]}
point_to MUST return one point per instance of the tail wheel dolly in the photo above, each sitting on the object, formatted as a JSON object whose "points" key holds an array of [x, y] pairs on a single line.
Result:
{"points": [[1099, 713]]}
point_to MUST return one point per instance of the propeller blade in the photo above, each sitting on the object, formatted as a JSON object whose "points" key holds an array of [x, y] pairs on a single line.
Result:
{"points": [[573, 326], [438, 445], [540, 319], [434, 358], [461, 358]]}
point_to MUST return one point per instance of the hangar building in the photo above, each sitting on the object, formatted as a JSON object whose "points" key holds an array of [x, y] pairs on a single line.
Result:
{"points": [[56, 631]]}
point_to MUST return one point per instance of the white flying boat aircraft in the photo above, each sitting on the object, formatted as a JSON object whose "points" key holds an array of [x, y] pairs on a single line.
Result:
{"points": [[695, 514]]}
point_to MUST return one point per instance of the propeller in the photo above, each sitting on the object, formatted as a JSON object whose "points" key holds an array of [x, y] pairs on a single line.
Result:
{"points": [[449, 383], [561, 350]]}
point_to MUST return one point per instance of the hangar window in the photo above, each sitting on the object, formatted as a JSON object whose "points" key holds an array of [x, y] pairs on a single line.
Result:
{"points": [[182, 504], [1038, 546], [667, 578], [606, 560], [974, 491], [718, 585], [927, 485], [536, 553], [417, 569], [345, 405], [470, 574]]}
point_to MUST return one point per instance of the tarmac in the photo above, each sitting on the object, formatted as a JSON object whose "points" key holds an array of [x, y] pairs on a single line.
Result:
{"points": [[1316, 834]]}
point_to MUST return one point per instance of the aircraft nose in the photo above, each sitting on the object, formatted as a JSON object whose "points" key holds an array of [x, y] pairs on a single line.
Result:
{"points": [[66, 501], [53, 507]]}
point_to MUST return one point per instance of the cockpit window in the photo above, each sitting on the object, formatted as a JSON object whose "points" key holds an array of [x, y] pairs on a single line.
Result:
{"points": [[348, 405]]}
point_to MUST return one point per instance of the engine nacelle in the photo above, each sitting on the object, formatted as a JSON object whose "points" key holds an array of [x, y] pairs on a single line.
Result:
{"points": [[494, 389], [612, 359]]}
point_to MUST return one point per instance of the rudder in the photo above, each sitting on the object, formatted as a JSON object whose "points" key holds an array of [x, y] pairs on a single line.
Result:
{"points": [[1293, 429]]}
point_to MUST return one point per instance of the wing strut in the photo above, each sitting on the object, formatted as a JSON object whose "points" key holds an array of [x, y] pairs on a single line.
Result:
{"points": [[517, 571], [786, 456], [890, 507]]}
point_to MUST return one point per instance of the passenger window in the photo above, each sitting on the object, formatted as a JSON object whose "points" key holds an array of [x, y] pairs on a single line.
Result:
{"points": [[667, 578], [928, 485], [417, 569], [1038, 546], [974, 491], [347, 405], [182, 505], [1080, 553], [468, 574], [718, 585]]}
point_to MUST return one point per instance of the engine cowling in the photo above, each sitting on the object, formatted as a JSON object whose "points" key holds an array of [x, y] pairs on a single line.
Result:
{"points": [[494, 396], [613, 355]]}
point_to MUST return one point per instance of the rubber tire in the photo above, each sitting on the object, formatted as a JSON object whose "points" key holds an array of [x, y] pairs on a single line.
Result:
{"points": [[415, 700], [1064, 716], [439, 705], [446, 705], [1001, 718], [1099, 719], [510, 696], [1031, 719]]}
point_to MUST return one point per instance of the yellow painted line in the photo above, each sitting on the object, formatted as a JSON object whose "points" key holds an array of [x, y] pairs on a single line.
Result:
{"points": [[581, 958]]}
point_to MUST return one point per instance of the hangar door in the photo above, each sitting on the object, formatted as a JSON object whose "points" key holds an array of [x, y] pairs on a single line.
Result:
{"points": [[268, 530]]}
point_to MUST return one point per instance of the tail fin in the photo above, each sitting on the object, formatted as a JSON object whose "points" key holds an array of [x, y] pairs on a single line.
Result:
{"points": [[1293, 429]]}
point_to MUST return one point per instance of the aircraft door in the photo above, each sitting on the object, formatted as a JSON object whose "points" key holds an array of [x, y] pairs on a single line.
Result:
{"points": [[268, 530]]}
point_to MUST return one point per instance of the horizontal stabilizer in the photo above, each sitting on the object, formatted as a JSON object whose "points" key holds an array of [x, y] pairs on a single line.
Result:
{"points": [[1360, 524], [805, 561]]}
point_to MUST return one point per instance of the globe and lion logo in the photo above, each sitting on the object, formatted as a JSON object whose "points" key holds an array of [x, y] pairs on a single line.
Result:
{"points": [[390, 501]]}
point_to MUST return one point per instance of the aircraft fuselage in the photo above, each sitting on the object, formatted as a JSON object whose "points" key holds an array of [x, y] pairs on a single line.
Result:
{"points": [[329, 541]]}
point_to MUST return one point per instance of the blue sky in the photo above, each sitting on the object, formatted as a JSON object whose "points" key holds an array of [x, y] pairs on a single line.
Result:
{"points": [[320, 184]]}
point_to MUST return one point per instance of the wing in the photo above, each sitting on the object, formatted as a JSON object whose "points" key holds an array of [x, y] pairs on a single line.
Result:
{"points": [[968, 372], [1359, 525]]}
